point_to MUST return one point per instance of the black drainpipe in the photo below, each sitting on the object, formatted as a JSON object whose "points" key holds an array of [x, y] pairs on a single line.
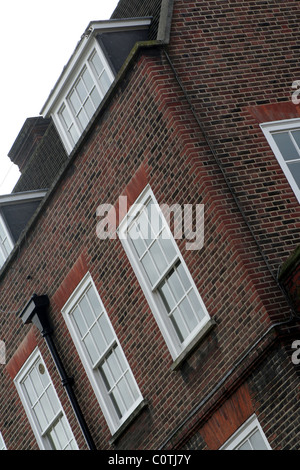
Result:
{"points": [[36, 312]]}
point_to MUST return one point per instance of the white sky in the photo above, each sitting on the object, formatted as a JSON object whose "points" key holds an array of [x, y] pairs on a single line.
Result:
{"points": [[38, 39]]}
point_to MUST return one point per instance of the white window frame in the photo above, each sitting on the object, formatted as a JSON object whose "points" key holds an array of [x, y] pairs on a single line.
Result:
{"points": [[177, 349], [245, 432], [2, 443], [92, 370], [64, 102], [4, 251], [41, 437], [268, 128]]}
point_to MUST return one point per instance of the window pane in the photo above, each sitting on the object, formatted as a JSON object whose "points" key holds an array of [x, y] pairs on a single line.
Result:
{"points": [[82, 118], [196, 304], [35, 379], [118, 402], [114, 366], [132, 385], [81, 90], [106, 329], [53, 440], [2, 443], [121, 358], [143, 228], [176, 287], [295, 170], [257, 441], [296, 135], [183, 276], [79, 320], [73, 133], [96, 98], [94, 301], [75, 102], [179, 325], [31, 393], [97, 64], [285, 145], [106, 375], [47, 408], [91, 349], [125, 392], [150, 268], [87, 312], [66, 117], [61, 434], [155, 220], [98, 338], [104, 82], [188, 314], [89, 108], [7, 247], [138, 242], [87, 79], [245, 446], [39, 414], [72, 445], [2, 232], [120, 386], [167, 297], [158, 257], [167, 245], [2, 258], [53, 399]]}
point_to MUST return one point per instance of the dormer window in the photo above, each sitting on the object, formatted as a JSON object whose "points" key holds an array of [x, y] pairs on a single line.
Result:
{"points": [[84, 97], [16, 210], [6, 242], [90, 72]]}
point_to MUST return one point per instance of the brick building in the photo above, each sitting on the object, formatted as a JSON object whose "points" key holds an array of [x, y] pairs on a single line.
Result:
{"points": [[133, 341]]}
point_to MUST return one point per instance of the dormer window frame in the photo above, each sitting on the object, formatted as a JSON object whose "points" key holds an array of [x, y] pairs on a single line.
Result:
{"points": [[6, 242], [8, 239], [72, 130], [71, 73]]}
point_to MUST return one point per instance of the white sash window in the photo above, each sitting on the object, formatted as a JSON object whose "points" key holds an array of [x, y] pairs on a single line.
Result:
{"points": [[101, 354], [43, 407], [162, 273]]}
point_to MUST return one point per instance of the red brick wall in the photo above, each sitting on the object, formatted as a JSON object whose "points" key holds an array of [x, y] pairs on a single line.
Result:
{"points": [[242, 61], [227, 419]]}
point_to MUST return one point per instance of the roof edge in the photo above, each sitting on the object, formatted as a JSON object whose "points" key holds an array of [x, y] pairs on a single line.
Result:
{"points": [[93, 28], [24, 196], [165, 21]]}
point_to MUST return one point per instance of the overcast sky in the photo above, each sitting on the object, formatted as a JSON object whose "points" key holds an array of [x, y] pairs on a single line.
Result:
{"points": [[38, 39]]}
